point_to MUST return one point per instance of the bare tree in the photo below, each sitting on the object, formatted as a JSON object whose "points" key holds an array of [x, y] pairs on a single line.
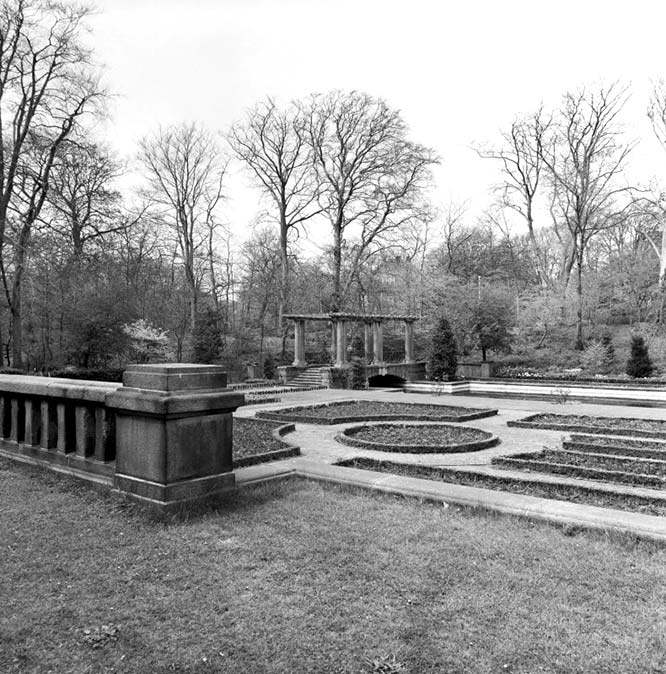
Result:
{"points": [[47, 84], [585, 160], [83, 202], [372, 179], [272, 144], [523, 166], [185, 170]]}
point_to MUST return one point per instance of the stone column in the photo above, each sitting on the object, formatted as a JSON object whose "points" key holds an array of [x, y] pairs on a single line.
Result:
{"points": [[299, 343], [409, 341], [174, 433], [367, 341], [341, 344], [378, 339]]}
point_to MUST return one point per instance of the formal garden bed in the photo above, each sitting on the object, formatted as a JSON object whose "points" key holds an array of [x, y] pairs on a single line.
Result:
{"points": [[651, 428], [528, 486], [374, 410], [637, 472], [647, 449], [417, 438], [257, 441]]}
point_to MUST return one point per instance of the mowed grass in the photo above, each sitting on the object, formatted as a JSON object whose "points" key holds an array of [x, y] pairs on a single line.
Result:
{"points": [[297, 577]]}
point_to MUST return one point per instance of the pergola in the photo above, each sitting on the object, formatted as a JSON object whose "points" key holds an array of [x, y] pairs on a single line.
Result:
{"points": [[373, 342]]}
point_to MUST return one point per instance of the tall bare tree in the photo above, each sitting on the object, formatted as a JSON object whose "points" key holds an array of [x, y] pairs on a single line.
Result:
{"points": [[84, 204], [521, 157], [47, 83], [586, 158], [372, 179], [185, 169], [272, 144]]}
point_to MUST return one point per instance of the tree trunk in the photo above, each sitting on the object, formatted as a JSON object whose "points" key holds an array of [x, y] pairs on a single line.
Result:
{"points": [[580, 345]]}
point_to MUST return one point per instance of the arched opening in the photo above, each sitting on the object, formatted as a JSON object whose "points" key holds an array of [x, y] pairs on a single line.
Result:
{"points": [[386, 381]]}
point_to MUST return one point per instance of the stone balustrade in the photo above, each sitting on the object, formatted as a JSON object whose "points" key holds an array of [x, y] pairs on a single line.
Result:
{"points": [[164, 436]]}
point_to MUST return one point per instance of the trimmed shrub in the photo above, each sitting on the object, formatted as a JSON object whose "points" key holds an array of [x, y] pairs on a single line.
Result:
{"points": [[206, 338], [443, 353], [357, 374], [639, 363], [269, 366]]}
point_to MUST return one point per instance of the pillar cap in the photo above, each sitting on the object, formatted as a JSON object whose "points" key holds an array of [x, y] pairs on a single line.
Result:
{"points": [[175, 377]]}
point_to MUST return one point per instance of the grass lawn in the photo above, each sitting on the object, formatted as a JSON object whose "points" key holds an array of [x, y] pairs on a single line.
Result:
{"points": [[298, 577]]}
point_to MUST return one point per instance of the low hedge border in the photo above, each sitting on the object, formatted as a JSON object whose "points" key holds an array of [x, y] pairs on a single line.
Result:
{"points": [[288, 452], [454, 448], [583, 428], [616, 450], [293, 414], [636, 479], [629, 464], [654, 505]]}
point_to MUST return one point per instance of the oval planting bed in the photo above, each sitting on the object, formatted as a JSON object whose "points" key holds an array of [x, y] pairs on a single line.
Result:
{"points": [[374, 410], [417, 438]]}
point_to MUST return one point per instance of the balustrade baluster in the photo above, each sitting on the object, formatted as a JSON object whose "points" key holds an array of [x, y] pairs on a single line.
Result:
{"points": [[85, 431], [31, 427], [49, 426], [105, 441]]}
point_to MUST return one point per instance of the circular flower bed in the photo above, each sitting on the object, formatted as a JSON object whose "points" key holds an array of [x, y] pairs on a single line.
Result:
{"points": [[417, 438]]}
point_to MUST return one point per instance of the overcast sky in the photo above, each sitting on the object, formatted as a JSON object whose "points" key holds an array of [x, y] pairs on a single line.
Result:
{"points": [[458, 71]]}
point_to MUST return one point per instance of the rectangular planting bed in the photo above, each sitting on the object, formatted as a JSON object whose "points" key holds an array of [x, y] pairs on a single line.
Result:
{"points": [[605, 498], [650, 428]]}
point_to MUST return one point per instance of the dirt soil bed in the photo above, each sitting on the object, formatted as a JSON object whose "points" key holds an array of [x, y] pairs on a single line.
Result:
{"points": [[375, 410], [417, 439], [587, 424], [254, 442], [607, 462], [574, 493]]}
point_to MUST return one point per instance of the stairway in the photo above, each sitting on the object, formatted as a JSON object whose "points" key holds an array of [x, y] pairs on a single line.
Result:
{"points": [[310, 378]]}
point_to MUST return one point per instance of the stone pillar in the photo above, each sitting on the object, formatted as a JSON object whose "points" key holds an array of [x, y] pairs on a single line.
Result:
{"points": [[367, 341], [341, 344], [174, 433], [333, 349], [299, 344], [378, 339], [409, 341]]}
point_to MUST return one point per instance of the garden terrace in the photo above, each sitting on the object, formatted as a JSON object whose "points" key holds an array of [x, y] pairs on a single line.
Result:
{"points": [[651, 428], [373, 410], [417, 439]]}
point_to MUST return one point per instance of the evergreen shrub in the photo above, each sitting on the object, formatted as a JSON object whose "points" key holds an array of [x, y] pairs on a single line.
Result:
{"points": [[443, 353], [639, 363]]}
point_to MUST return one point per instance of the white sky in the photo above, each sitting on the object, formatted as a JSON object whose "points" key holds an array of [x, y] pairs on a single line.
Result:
{"points": [[459, 71]]}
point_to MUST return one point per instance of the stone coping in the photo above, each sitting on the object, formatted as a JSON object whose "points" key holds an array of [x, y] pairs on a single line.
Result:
{"points": [[346, 437], [56, 387]]}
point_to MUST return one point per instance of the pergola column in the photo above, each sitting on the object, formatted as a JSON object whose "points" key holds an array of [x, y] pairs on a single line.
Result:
{"points": [[367, 341], [378, 339], [341, 344], [299, 343], [409, 341]]}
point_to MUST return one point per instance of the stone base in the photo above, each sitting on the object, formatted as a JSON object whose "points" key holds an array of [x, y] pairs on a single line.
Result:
{"points": [[166, 496]]}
